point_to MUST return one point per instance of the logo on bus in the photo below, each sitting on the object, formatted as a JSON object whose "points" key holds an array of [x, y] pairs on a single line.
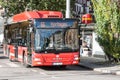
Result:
{"points": [[57, 58]]}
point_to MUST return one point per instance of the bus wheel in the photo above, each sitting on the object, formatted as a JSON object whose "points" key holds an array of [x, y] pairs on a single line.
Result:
{"points": [[25, 62]]}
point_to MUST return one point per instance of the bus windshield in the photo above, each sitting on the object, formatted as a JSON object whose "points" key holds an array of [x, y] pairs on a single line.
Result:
{"points": [[56, 35], [50, 40]]}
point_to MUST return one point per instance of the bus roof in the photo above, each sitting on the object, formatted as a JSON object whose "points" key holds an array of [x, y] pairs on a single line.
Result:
{"points": [[36, 14]]}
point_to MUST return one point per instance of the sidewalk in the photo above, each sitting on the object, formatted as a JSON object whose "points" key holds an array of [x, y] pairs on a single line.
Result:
{"points": [[100, 65]]}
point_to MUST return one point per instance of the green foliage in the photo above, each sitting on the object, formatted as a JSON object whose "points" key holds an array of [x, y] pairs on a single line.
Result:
{"points": [[108, 26], [17, 6]]}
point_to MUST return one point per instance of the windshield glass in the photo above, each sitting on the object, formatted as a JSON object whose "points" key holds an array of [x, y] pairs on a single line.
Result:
{"points": [[56, 39], [56, 35]]}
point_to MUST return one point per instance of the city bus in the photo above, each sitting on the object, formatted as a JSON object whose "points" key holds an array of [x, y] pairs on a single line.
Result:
{"points": [[43, 42]]}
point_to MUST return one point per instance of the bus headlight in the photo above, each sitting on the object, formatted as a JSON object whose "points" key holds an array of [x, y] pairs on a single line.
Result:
{"points": [[76, 57], [37, 59]]}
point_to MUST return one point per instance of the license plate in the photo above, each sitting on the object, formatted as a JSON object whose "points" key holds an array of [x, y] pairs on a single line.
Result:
{"points": [[57, 63]]}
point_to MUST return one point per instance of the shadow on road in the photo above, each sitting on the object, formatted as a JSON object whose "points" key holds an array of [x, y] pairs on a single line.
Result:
{"points": [[3, 57], [67, 68], [1, 52]]}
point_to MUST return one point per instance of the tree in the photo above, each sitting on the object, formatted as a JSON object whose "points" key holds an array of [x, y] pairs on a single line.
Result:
{"points": [[17, 6], [108, 27]]}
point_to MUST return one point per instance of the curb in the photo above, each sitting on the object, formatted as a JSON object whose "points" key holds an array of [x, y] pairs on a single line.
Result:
{"points": [[114, 72], [102, 70], [118, 73]]}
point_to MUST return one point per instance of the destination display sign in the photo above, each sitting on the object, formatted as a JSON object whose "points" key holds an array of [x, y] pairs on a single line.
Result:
{"points": [[54, 23]]}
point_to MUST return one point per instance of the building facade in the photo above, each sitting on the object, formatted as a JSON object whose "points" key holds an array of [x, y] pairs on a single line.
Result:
{"points": [[82, 7]]}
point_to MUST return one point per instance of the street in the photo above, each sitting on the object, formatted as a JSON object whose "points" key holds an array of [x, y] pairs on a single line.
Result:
{"points": [[16, 71]]}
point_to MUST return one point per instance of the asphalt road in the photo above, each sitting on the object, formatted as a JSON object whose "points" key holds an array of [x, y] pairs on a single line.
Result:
{"points": [[16, 71]]}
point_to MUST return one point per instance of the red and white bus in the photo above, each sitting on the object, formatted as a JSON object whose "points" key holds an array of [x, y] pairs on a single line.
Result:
{"points": [[42, 42]]}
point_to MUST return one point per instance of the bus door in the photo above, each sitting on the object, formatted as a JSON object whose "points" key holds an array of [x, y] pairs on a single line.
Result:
{"points": [[16, 44], [29, 55], [16, 50]]}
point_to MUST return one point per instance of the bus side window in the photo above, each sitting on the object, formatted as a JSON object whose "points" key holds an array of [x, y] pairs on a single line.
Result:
{"points": [[25, 42], [32, 39], [19, 42], [9, 41]]}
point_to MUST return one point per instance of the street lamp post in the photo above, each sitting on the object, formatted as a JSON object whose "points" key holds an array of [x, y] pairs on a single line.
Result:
{"points": [[67, 8], [6, 12]]}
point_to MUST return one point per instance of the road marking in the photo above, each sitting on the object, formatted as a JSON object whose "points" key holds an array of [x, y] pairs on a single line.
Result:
{"points": [[0, 65], [34, 70], [53, 77], [43, 73], [13, 65]]}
